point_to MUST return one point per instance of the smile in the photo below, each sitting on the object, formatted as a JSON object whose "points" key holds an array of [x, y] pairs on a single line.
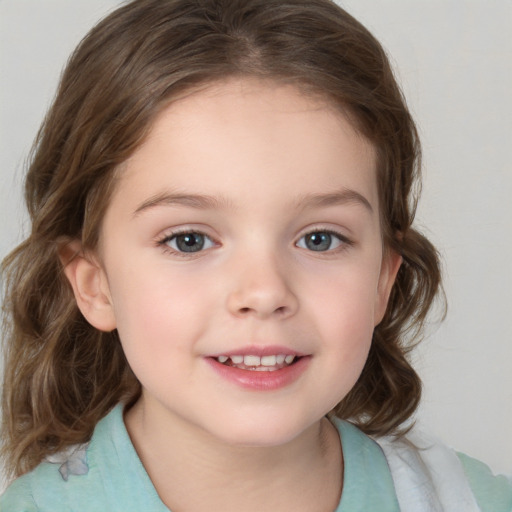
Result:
{"points": [[269, 363], [260, 369]]}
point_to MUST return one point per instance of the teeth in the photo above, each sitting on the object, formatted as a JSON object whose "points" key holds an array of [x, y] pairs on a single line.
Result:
{"points": [[257, 362], [252, 360], [268, 360]]}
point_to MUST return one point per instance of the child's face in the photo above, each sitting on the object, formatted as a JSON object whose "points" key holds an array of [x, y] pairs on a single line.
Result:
{"points": [[246, 225]]}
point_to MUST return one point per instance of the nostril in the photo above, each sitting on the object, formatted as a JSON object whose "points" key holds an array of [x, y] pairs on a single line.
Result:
{"points": [[280, 310], [261, 302]]}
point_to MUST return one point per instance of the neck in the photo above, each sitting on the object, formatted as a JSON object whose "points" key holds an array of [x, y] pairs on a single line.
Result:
{"points": [[191, 470]]}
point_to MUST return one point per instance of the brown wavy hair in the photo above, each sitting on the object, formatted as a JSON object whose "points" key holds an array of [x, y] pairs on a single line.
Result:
{"points": [[62, 375]]}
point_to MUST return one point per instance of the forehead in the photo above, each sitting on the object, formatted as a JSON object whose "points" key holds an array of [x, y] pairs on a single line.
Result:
{"points": [[244, 138]]}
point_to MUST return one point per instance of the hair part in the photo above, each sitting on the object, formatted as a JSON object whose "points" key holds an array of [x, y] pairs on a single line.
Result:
{"points": [[61, 375]]}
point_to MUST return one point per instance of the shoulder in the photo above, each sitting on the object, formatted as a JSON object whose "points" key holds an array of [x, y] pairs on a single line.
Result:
{"points": [[492, 492], [70, 480], [18, 497], [421, 464], [36, 490], [52, 486], [367, 481], [105, 474]]}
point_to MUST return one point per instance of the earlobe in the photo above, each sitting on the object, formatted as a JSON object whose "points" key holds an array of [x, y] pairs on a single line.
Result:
{"points": [[90, 286], [390, 266]]}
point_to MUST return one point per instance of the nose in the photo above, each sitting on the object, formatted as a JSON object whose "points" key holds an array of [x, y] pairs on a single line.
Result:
{"points": [[261, 288]]}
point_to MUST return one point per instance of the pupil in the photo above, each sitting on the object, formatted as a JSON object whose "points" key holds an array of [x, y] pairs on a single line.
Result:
{"points": [[318, 241], [191, 242]]}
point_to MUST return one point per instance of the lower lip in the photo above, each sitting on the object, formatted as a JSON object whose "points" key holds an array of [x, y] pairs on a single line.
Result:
{"points": [[261, 381]]}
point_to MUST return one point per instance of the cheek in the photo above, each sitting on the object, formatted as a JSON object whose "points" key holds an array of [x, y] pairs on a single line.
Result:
{"points": [[342, 311], [345, 298], [157, 314]]}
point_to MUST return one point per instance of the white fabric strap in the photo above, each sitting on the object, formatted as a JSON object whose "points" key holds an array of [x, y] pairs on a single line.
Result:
{"points": [[428, 476]]}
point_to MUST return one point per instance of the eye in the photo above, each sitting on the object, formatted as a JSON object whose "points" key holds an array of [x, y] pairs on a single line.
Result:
{"points": [[321, 241], [188, 242]]}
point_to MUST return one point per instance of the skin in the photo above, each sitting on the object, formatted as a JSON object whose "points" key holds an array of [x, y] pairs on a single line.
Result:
{"points": [[263, 153]]}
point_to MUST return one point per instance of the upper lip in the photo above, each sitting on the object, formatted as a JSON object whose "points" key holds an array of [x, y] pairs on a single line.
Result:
{"points": [[259, 350]]}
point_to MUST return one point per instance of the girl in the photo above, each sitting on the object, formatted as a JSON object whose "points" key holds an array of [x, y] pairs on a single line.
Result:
{"points": [[222, 273]]}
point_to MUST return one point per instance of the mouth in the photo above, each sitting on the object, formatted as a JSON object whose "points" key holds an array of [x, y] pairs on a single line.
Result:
{"points": [[255, 363], [261, 369]]}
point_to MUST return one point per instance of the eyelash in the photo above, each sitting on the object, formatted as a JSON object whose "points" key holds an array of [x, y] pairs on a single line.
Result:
{"points": [[344, 242], [164, 242]]}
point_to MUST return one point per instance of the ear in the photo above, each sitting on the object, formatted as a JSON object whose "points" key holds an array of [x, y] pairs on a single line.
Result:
{"points": [[90, 285], [391, 262]]}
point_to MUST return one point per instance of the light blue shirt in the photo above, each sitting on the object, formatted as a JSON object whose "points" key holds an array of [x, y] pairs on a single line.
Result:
{"points": [[109, 476]]}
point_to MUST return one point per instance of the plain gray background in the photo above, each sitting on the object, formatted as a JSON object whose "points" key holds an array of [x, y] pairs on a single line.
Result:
{"points": [[454, 60]]}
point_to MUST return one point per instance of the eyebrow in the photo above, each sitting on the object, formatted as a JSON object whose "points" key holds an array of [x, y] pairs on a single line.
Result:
{"points": [[198, 201], [207, 202], [338, 197]]}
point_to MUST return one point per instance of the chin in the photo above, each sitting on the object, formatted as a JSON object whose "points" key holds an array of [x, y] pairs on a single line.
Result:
{"points": [[262, 432]]}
